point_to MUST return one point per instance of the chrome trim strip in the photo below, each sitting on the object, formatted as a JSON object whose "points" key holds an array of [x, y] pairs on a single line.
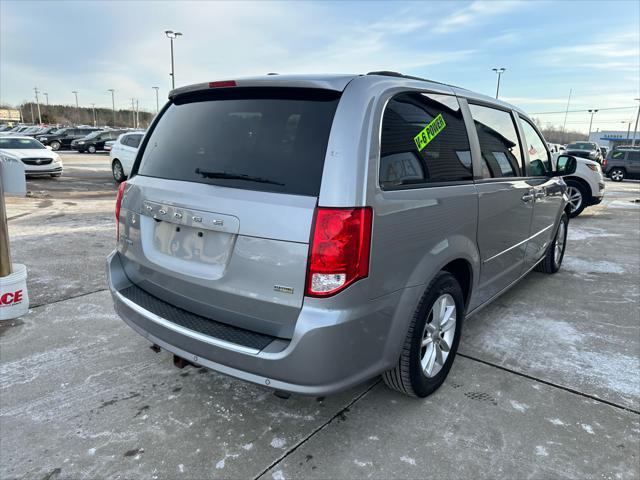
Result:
{"points": [[518, 244], [184, 331]]}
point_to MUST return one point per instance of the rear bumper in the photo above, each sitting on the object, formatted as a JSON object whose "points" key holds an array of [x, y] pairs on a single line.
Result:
{"points": [[330, 350]]}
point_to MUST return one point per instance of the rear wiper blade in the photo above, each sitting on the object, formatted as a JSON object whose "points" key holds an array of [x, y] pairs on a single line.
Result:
{"points": [[235, 176]]}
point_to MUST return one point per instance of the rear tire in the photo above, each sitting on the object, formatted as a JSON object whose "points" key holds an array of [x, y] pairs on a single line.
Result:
{"points": [[429, 347], [118, 171], [617, 174], [578, 196], [552, 260], [91, 149]]}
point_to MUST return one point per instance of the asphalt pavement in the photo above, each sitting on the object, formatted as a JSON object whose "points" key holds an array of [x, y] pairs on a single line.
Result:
{"points": [[546, 384]]}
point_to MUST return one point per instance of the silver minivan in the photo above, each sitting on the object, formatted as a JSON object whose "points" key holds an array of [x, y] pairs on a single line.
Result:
{"points": [[311, 232]]}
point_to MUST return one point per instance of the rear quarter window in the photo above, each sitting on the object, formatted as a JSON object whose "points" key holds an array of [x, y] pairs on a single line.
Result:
{"points": [[424, 141], [269, 139]]}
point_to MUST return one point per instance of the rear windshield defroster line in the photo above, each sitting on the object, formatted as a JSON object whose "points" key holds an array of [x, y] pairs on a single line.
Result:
{"points": [[245, 136]]}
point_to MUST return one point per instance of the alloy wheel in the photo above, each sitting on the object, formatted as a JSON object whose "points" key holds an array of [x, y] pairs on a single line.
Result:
{"points": [[575, 198], [560, 241], [117, 171], [438, 335], [617, 175]]}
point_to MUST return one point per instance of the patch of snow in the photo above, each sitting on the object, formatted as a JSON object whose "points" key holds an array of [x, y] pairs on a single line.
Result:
{"points": [[374, 438], [91, 451], [247, 446], [278, 442], [363, 464], [556, 421], [277, 475], [584, 267], [541, 451], [540, 341], [577, 234], [587, 428], [521, 407], [220, 464], [181, 468], [409, 460]]}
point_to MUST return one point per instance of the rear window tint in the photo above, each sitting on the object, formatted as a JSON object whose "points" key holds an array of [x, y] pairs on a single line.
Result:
{"points": [[499, 143], [424, 141], [274, 139]]}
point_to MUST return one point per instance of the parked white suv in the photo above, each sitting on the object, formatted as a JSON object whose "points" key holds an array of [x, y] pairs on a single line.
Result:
{"points": [[123, 154], [585, 186]]}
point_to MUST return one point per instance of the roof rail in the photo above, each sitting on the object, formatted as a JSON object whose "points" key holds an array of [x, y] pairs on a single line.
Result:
{"points": [[387, 73]]}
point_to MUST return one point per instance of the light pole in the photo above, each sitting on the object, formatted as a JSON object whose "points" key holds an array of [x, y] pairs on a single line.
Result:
{"points": [[75, 92], [592, 112], [35, 89], [133, 112], [499, 71], [93, 106], [172, 35], [628, 128], [46, 95], [113, 105], [157, 103], [635, 129]]}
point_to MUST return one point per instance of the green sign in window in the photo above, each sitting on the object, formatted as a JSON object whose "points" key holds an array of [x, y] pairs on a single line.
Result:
{"points": [[429, 132]]}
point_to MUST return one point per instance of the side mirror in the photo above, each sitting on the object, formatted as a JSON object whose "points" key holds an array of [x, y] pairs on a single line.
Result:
{"points": [[48, 147], [565, 165]]}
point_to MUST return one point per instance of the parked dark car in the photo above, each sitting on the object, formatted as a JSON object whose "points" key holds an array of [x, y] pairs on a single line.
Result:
{"points": [[95, 141], [63, 137], [43, 131], [622, 163], [588, 150]]}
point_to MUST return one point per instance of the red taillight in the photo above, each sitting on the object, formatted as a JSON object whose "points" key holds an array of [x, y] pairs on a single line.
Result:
{"points": [[222, 84], [339, 251], [118, 203], [604, 162]]}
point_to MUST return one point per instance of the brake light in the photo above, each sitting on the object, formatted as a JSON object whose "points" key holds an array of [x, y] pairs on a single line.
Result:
{"points": [[604, 162], [222, 84], [339, 250], [118, 203]]}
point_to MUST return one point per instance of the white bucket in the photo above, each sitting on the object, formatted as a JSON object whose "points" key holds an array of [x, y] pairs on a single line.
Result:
{"points": [[14, 300]]}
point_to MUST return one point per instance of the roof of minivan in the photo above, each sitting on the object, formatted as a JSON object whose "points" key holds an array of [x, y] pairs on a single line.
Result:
{"points": [[338, 82]]}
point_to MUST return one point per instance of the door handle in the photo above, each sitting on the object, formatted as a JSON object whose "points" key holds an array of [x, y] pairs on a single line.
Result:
{"points": [[540, 194], [527, 197]]}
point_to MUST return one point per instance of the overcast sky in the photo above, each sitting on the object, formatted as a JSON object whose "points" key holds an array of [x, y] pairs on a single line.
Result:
{"points": [[546, 47]]}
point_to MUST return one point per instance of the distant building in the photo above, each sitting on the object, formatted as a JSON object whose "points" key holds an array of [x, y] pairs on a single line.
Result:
{"points": [[611, 138]]}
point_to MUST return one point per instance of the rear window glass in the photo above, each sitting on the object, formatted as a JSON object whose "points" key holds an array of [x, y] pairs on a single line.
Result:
{"points": [[269, 139]]}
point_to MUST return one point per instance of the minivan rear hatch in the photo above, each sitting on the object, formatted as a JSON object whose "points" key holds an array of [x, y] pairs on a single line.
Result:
{"points": [[217, 217]]}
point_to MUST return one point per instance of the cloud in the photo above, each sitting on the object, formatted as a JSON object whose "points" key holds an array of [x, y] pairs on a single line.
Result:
{"points": [[475, 13], [617, 52]]}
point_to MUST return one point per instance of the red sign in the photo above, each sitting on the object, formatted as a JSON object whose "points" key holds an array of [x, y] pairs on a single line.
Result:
{"points": [[11, 297]]}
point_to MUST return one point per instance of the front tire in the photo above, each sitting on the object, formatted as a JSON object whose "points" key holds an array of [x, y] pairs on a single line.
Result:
{"points": [[118, 171], [55, 145], [577, 197], [617, 174], [432, 339], [91, 149], [552, 260]]}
